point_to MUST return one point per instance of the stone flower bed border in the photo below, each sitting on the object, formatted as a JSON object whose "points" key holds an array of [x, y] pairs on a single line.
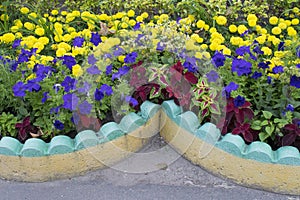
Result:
{"points": [[63, 157], [255, 165]]}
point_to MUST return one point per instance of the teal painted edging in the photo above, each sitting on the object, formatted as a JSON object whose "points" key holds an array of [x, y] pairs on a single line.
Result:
{"points": [[233, 144], [63, 144]]}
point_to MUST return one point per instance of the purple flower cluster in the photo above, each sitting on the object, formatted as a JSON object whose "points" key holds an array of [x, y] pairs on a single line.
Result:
{"points": [[241, 67]]}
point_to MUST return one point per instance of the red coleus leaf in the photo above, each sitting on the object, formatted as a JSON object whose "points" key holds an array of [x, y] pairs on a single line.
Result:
{"points": [[191, 78], [245, 130], [22, 135], [85, 121], [289, 139]]}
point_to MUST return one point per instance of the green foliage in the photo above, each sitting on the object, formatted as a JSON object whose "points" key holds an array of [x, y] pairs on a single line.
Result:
{"points": [[7, 124]]}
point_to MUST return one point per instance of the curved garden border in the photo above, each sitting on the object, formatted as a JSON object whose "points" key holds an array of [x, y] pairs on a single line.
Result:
{"points": [[255, 165], [63, 157]]}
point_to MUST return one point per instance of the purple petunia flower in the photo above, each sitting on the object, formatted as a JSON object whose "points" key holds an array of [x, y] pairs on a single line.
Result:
{"points": [[269, 80], [218, 59], [212, 76], [277, 70], [69, 61], [119, 51], [98, 95], [19, 89], [32, 86], [58, 125], [258, 50], [106, 89], [298, 65], [256, 75], [69, 84], [85, 88], [137, 26], [109, 69], [160, 46], [78, 41], [241, 67], [281, 46], [95, 39], [121, 72], [45, 97], [242, 50], [239, 101], [190, 64], [91, 59], [55, 109], [264, 65], [42, 71], [70, 101], [131, 101], [16, 43], [295, 81], [93, 70], [131, 58], [85, 108], [298, 51], [232, 86], [289, 107]]}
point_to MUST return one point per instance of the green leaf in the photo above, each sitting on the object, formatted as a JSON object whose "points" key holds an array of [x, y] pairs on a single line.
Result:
{"points": [[267, 114], [264, 123], [263, 136], [270, 130]]}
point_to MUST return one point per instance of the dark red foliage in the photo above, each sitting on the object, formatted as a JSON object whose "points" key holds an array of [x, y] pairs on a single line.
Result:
{"points": [[25, 128], [291, 133], [236, 119], [88, 122]]}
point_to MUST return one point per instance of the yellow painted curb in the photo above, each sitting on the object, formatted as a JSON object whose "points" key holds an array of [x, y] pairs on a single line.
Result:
{"points": [[271, 177], [38, 169]]}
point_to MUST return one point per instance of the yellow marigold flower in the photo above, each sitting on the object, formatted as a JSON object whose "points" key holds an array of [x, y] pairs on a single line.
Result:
{"points": [[69, 18], [76, 13], [77, 70], [212, 30], [203, 46], [18, 23], [60, 52], [139, 19], [30, 64], [39, 31], [232, 28], [29, 26], [85, 15], [32, 15], [58, 38], [242, 29], [103, 17], [287, 22], [198, 55], [121, 58], [67, 38], [282, 25], [18, 35], [39, 46], [24, 10], [273, 20], [132, 22], [236, 40], [287, 42], [291, 31], [226, 51], [71, 29], [200, 24], [221, 20], [14, 29], [252, 23], [264, 31], [130, 13], [145, 15], [267, 51], [163, 17], [8, 38], [119, 15], [251, 17], [206, 55], [124, 25], [276, 30], [258, 28], [296, 10], [275, 76], [54, 12], [206, 27], [261, 39], [213, 46], [280, 54], [295, 21], [64, 45], [64, 13]]}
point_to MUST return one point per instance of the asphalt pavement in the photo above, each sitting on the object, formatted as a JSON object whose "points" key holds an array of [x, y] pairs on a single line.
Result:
{"points": [[179, 180]]}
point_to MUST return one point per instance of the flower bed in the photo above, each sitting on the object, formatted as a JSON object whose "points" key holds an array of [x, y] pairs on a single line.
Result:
{"points": [[71, 71]]}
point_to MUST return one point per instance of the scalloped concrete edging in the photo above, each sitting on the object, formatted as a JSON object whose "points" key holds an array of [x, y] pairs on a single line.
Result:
{"points": [[254, 165], [63, 157]]}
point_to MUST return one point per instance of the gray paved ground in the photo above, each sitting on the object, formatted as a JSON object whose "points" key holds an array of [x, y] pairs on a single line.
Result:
{"points": [[180, 180]]}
